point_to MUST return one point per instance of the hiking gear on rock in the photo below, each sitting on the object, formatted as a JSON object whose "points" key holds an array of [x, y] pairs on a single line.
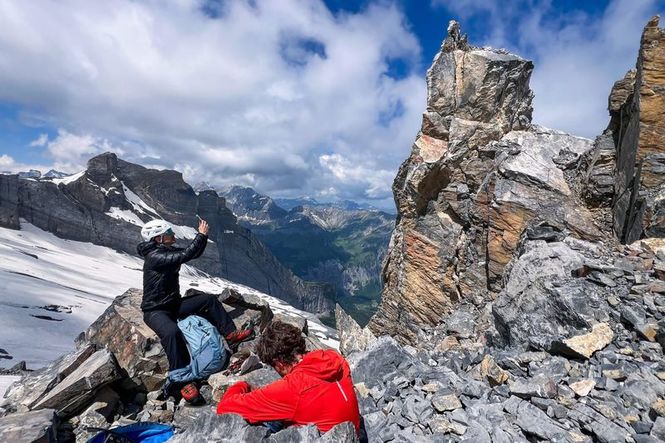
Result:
{"points": [[154, 228], [237, 337], [161, 268], [206, 347], [143, 432], [164, 323], [245, 362], [189, 392], [318, 390]]}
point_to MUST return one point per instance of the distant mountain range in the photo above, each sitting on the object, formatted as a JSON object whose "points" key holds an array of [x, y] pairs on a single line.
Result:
{"points": [[334, 249], [35, 174], [341, 243], [347, 205], [107, 203]]}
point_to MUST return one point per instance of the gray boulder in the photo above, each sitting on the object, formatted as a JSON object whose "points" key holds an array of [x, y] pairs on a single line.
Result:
{"points": [[29, 427], [75, 390], [352, 337], [210, 427], [25, 394]]}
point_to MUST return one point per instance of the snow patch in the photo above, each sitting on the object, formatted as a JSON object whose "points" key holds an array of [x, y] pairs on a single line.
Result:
{"points": [[138, 204], [68, 179], [6, 381], [125, 215]]}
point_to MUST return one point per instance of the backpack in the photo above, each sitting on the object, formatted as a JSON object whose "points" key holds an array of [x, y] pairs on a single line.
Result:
{"points": [[206, 347], [144, 432]]}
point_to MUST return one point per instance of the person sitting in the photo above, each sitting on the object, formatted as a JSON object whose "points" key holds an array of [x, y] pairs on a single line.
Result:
{"points": [[316, 387], [162, 304]]}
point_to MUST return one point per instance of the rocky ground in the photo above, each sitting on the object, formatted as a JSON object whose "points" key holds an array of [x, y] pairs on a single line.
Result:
{"points": [[579, 357], [581, 361], [115, 375]]}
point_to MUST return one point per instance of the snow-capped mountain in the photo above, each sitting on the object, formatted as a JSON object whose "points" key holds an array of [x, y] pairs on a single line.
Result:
{"points": [[37, 175], [33, 173], [52, 173], [108, 203], [251, 207], [51, 289]]}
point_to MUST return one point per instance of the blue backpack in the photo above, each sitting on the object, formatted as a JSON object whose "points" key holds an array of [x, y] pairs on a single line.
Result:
{"points": [[144, 432], [206, 347]]}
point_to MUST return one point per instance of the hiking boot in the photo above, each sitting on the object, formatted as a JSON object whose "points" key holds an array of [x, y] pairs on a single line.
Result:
{"points": [[237, 337], [191, 394]]}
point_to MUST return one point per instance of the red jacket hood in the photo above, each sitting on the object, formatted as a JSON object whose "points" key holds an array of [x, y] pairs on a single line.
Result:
{"points": [[327, 365]]}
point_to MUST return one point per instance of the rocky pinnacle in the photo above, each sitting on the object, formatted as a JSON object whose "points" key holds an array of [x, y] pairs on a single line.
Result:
{"points": [[482, 182]]}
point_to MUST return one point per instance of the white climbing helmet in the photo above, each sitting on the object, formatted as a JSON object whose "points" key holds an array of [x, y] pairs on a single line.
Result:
{"points": [[154, 228]]}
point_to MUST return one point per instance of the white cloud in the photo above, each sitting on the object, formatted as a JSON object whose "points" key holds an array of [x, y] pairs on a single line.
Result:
{"points": [[374, 183], [6, 162], [70, 152], [255, 95], [9, 164], [577, 56], [40, 141]]}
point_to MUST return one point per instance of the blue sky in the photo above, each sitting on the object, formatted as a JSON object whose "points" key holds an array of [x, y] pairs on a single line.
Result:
{"points": [[292, 97]]}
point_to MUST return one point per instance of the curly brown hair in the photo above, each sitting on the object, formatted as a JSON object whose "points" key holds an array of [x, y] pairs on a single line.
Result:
{"points": [[280, 342]]}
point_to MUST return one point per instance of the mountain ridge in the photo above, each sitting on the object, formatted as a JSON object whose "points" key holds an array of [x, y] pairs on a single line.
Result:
{"points": [[108, 202]]}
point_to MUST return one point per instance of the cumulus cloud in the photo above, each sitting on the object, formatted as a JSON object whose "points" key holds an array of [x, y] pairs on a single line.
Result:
{"points": [[577, 55], [250, 92], [368, 180], [70, 152]]}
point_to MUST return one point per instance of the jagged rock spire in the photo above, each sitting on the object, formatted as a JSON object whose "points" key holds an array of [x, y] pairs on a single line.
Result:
{"points": [[455, 39]]}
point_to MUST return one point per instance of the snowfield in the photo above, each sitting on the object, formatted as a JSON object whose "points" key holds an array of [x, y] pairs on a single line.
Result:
{"points": [[52, 289], [6, 381]]}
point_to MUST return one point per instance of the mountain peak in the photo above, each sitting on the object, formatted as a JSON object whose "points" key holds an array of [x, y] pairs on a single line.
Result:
{"points": [[102, 165]]}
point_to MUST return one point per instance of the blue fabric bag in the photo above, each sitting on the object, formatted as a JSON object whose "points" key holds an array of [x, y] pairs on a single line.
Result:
{"points": [[206, 347], [144, 432]]}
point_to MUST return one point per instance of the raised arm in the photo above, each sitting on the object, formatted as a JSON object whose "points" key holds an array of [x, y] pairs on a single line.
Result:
{"points": [[165, 259]]}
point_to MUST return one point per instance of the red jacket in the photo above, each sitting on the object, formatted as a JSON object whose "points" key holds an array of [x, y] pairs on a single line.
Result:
{"points": [[318, 390]]}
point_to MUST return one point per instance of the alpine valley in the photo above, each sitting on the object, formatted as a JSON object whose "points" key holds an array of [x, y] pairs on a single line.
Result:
{"points": [[339, 243]]}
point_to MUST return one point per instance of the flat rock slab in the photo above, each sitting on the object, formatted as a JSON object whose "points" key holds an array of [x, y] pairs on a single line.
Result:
{"points": [[539, 386], [227, 428], [33, 387], [258, 378], [534, 163], [534, 421], [81, 385], [446, 402], [583, 387], [585, 345], [29, 427]]}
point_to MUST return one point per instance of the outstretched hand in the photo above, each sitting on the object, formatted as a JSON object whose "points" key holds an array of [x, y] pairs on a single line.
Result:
{"points": [[203, 227]]}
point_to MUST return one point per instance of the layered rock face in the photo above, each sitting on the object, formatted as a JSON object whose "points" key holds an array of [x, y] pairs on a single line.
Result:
{"points": [[479, 176], [107, 204], [638, 106], [482, 181]]}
